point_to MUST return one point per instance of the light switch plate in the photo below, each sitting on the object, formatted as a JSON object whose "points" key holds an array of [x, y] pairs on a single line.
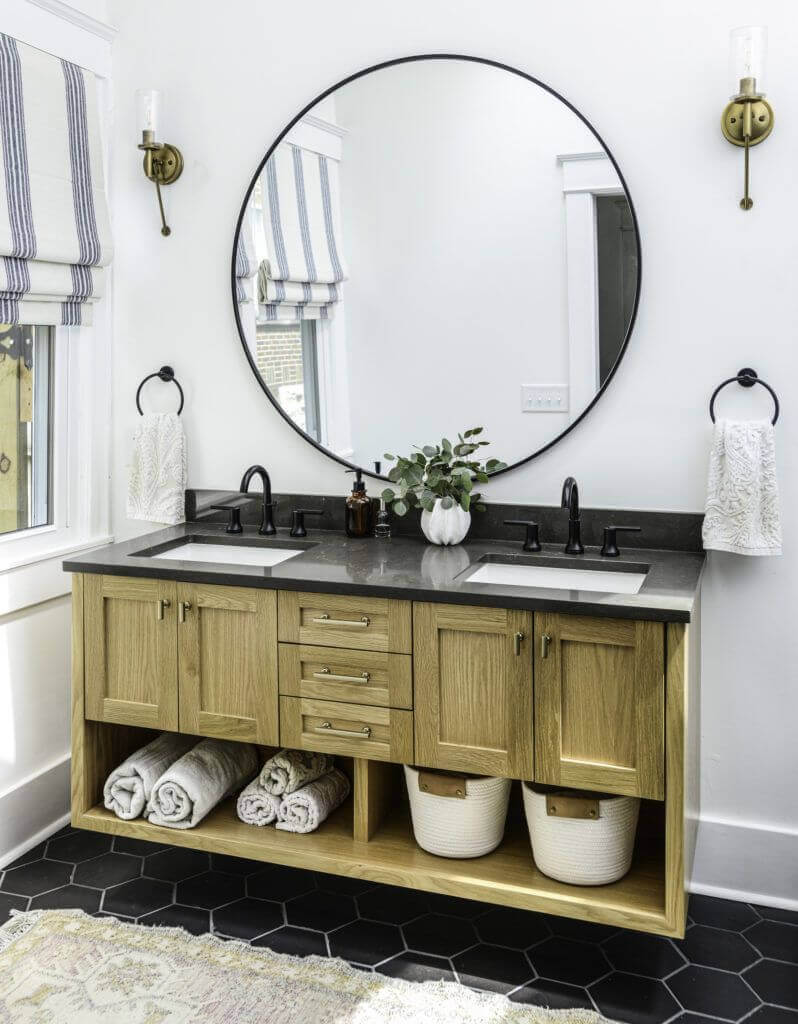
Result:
{"points": [[544, 398]]}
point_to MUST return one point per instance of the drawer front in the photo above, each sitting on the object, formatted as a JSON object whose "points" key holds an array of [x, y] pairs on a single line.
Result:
{"points": [[364, 624], [355, 677], [354, 730]]}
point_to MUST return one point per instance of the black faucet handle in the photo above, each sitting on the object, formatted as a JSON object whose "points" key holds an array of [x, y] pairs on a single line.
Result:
{"points": [[532, 540], [609, 548], [298, 520], [234, 508], [267, 527]]}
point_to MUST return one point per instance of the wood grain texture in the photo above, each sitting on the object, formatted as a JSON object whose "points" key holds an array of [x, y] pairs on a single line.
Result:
{"points": [[390, 739], [599, 704], [228, 663], [375, 785], [389, 627], [679, 765], [473, 693], [304, 668], [130, 655]]}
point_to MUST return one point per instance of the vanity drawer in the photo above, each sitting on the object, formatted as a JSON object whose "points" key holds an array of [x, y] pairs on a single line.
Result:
{"points": [[356, 677], [332, 727], [362, 623]]}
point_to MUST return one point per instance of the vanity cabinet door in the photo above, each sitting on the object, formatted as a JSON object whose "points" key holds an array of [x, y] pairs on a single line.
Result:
{"points": [[599, 704], [473, 689], [130, 651], [227, 643]]}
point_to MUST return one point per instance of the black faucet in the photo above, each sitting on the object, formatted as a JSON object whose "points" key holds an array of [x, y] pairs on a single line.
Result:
{"points": [[570, 500], [267, 527]]}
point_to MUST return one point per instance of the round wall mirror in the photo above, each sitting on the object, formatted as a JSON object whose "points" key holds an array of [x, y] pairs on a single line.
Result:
{"points": [[435, 244]]}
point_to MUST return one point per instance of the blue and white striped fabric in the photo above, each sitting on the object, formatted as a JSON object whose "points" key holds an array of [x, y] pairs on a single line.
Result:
{"points": [[301, 278], [55, 230], [246, 263]]}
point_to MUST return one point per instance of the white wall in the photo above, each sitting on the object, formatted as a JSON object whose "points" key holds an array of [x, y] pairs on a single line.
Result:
{"points": [[718, 293]]}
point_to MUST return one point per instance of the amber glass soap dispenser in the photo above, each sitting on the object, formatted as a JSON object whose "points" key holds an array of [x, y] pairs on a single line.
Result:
{"points": [[359, 510]]}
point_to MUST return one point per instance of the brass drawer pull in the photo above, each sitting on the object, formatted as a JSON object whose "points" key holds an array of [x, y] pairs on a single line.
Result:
{"points": [[160, 604], [182, 608], [324, 620], [358, 734], [325, 673], [545, 641], [518, 639]]}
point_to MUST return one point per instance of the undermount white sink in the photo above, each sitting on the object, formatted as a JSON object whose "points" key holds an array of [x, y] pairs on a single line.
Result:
{"points": [[229, 554], [557, 578]]}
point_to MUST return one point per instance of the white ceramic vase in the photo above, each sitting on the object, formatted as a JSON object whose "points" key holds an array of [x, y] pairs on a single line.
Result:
{"points": [[445, 525]]}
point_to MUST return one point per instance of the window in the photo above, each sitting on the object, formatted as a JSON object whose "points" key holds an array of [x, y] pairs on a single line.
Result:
{"points": [[26, 427], [288, 361]]}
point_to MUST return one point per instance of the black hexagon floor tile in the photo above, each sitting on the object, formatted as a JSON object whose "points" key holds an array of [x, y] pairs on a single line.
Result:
{"points": [[69, 897], [8, 903], [774, 982], [439, 935], [36, 853], [712, 992], [366, 942], [138, 847], [777, 914], [175, 864], [721, 913], [775, 939], [638, 953], [583, 931], [492, 968], [343, 884], [715, 947], [575, 963], [518, 929], [36, 877], [392, 904], [553, 995], [454, 906], [320, 910], [633, 1000], [79, 846], [294, 941], [210, 889], [234, 865], [141, 896], [772, 1015], [193, 919], [413, 966], [108, 869], [248, 918], [276, 882]]}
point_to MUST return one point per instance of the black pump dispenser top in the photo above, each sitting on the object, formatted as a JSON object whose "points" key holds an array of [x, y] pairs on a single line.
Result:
{"points": [[358, 483]]}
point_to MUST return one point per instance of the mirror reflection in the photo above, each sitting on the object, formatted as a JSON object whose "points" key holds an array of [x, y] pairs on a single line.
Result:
{"points": [[436, 242]]}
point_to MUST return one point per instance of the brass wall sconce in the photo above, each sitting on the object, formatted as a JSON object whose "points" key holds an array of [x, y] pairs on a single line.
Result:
{"points": [[163, 163], [748, 119]]}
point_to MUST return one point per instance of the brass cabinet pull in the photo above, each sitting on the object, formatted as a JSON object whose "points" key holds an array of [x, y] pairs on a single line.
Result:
{"points": [[518, 639], [545, 642], [182, 608], [358, 734], [160, 604], [324, 620], [325, 673]]}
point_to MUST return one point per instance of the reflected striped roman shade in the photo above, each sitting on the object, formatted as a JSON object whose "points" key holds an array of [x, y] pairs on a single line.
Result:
{"points": [[300, 279], [55, 233], [246, 264]]}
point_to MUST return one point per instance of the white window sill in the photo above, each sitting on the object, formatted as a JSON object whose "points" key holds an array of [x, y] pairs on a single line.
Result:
{"points": [[38, 576], [59, 549]]}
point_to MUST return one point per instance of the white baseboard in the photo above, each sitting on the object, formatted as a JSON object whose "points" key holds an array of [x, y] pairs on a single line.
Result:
{"points": [[34, 809], [753, 863]]}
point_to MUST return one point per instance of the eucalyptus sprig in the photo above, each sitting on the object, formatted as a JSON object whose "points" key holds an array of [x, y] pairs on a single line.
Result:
{"points": [[443, 471]]}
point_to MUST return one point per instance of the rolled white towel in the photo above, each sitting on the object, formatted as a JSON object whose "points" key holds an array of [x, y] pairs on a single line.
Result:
{"points": [[196, 783], [257, 807], [304, 810], [288, 770], [128, 788]]}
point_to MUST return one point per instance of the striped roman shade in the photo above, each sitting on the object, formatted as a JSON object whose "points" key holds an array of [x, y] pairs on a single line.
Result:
{"points": [[55, 230], [300, 279]]}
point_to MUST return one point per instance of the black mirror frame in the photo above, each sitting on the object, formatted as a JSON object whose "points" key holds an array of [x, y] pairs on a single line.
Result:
{"points": [[310, 106]]}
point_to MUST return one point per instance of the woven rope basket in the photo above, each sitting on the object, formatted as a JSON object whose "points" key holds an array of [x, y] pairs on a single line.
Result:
{"points": [[592, 850], [461, 824]]}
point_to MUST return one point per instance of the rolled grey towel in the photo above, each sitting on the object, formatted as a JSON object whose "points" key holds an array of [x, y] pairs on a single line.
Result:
{"points": [[257, 807], [289, 769], [195, 784], [304, 810], [128, 788]]}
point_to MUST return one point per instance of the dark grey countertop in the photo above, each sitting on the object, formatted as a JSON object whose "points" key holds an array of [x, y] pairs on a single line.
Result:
{"points": [[410, 569]]}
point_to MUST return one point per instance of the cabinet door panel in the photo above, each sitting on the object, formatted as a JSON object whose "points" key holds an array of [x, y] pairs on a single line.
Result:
{"points": [[131, 651], [599, 704], [473, 691], [227, 641]]}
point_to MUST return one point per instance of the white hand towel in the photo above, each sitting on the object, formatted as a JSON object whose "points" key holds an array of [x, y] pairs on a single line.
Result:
{"points": [[257, 807], [742, 510], [196, 783], [290, 769], [304, 810], [157, 485], [128, 788]]}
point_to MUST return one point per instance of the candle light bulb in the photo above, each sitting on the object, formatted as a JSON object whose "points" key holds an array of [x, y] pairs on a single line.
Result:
{"points": [[148, 103], [748, 51]]}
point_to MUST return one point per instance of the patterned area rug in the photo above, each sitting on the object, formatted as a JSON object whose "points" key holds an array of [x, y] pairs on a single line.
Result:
{"points": [[64, 967]]}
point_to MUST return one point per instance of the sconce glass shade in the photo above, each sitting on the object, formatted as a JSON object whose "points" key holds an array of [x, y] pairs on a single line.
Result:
{"points": [[148, 110], [748, 47]]}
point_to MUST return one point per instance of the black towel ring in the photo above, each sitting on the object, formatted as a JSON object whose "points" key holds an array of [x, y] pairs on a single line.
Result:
{"points": [[746, 378], [167, 375]]}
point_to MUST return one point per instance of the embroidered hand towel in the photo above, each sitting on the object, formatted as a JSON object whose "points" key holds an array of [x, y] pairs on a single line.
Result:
{"points": [[128, 788], [742, 509], [156, 490], [195, 784], [305, 809], [290, 769], [257, 807]]}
